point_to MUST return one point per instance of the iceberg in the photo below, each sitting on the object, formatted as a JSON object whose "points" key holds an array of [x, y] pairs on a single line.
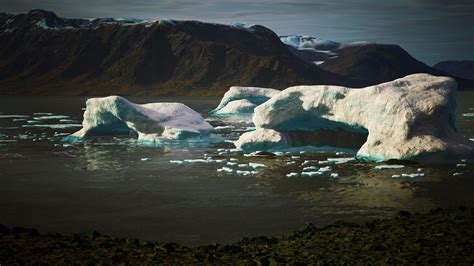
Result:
{"points": [[152, 122], [243, 100], [411, 118]]}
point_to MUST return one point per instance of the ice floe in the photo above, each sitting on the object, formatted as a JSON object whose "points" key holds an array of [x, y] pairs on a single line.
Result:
{"points": [[53, 126], [388, 166], [14, 116], [411, 118]]}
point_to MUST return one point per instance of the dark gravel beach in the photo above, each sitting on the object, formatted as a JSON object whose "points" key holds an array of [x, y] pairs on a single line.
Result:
{"points": [[437, 237]]}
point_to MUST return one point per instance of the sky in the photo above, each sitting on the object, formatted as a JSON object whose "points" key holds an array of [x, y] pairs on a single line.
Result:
{"points": [[430, 30]]}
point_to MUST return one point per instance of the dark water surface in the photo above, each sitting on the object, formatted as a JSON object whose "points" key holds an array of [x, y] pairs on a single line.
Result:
{"points": [[125, 189]]}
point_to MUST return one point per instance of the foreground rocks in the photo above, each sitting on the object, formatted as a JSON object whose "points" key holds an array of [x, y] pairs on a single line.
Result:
{"points": [[437, 237]]}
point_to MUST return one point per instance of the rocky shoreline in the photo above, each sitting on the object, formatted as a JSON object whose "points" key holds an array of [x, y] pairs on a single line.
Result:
{"points": [[437, 237]]}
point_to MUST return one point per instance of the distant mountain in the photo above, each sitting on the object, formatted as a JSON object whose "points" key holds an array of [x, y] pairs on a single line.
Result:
{"points": [[364, 63], [41, 53], [463, 69]]}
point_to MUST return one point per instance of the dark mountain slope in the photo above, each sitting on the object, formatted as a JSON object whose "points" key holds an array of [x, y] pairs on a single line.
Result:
{"points": [[375, 63], [45, 55], [463, 68]]}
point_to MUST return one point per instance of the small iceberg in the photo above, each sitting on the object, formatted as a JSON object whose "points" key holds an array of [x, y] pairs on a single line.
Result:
{"points": [[150, 123], [388, 166], [243, 100]]}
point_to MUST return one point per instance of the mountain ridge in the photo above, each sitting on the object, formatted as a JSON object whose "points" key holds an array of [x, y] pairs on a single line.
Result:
{"points": [[43, 54]]}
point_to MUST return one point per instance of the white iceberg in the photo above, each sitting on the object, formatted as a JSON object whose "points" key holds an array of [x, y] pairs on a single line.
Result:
{"points": [[114, 115], [411, 118], [243, 100]]}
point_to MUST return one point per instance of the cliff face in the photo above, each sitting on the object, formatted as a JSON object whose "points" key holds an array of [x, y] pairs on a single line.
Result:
{"points": [[42, 54]]}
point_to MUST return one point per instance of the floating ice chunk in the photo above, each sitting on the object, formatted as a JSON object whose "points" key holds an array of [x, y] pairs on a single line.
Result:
{"points": [[375, 117], [224, 128], [196, 161], [57, 117], [461, 165], [225, 169], [388, 166], [243, 165], [340, 153], [231, 164], [295, 157], [229, 141], [279, 153], [176, 161], [256, 165], [250, 129], [413, 175], [307, 162], [457, 174], [43, 113], [152, 122], [325, 169], [341, 160], [54, 126], [309, 168], [468, 114], [463, 160], [334, 175], [14, 116], [65, 145], [19, 119], [244, 173], [396, 176], [420, 169], [292, 174], [243, 100], [291, 163], [313, 173], [233, 159], [145, 159]]}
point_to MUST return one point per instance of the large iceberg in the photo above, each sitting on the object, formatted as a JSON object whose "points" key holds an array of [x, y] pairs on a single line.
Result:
{"points": [[115, 115], [411, 118], [243, 100]]}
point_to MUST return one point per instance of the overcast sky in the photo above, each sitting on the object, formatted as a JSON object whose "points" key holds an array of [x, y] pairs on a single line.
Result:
{"points": [[431, 30]]}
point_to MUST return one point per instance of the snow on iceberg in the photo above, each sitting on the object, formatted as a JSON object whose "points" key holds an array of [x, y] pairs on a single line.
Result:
{"points": [[243, 100], [411, 118], [152, 122]]}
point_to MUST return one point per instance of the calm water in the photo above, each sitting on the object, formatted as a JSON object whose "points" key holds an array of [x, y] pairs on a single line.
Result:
{"points": [[125, 189]]}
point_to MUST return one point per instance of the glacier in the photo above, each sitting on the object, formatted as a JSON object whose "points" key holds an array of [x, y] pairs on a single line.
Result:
{"points": [[411, 118], [243, 100], [152, 122]]}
